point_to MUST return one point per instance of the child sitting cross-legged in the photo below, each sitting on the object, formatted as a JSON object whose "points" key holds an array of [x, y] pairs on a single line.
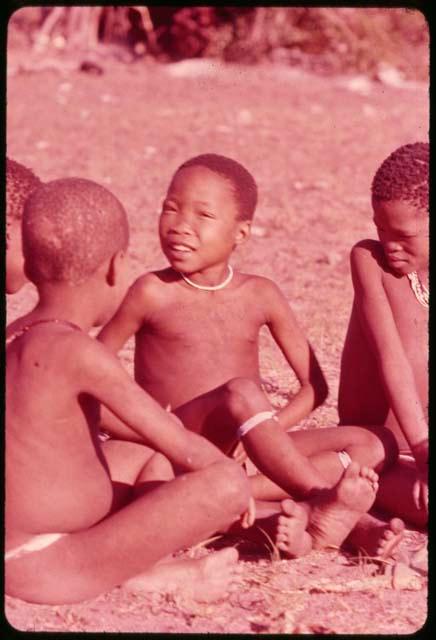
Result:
{"points": [[82, 517], [196, 325]]}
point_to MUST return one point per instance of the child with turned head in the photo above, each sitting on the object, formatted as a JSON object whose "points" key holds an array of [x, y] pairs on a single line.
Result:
{"points": [[196, 326], [384, 369], [81, 516], [20, 182]]}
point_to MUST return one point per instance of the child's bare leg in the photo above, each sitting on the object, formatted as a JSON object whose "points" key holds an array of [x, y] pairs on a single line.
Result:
{"points": [[336, 513], [157, 469], [328, 463], [133, 540], [376, 538], [375, 448], [126, 462], [395, 495], [204, 580]]}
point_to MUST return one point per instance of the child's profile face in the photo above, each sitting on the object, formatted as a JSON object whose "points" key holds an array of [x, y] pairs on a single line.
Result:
{"points": [[403, 232], [199, 223], [15, 276]]}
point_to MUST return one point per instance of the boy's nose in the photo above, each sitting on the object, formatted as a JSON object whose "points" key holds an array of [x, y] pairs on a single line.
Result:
{"points": [[182, 226], [391, 246]]}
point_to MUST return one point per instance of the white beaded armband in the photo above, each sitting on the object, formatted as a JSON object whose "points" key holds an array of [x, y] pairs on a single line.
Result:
{"points": [[255, 420]]}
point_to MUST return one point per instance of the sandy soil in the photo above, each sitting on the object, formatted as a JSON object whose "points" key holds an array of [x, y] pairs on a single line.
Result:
{"points": [[313, 144]]}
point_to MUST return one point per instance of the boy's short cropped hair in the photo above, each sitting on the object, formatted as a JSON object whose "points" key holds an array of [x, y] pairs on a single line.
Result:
{"points": [[70, 227], [404, 175], [20, 182], [243, 183]]}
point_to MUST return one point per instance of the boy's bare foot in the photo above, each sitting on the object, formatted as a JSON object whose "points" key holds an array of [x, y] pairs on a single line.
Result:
{"points": [[334, 515], [377, 539], [292, 537], [204, 580]]}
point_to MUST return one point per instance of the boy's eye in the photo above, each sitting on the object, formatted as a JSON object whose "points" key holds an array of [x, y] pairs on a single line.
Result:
{"points": [[205, 214], [167, 208]]}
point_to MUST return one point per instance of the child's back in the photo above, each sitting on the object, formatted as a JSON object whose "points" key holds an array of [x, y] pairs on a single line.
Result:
{"points": [[48, 429]]}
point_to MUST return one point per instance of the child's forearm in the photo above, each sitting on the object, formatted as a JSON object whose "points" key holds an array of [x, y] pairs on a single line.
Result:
{"points": [[299, 407], [112, 339], [404, 401], [117, 428]]}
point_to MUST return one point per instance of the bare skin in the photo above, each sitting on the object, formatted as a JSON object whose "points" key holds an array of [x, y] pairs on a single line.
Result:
{"points": [[70, 486], [326, 519], [15, 276], [332, 518], [388, 337], [375, 538], [197, 351]]}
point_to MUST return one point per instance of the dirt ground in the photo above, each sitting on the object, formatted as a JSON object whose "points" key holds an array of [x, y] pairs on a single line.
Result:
{"points": [[313, 144]]}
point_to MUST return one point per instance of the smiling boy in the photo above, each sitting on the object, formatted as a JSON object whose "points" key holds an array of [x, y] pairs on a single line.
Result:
{"points": [[384, 369], [196, 326]]}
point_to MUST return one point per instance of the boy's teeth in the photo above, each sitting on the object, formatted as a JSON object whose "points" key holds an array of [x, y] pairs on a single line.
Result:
{"points": [[180, 247]]}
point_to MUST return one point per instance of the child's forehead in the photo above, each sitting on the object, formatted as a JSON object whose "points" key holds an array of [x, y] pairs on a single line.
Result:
{"points": [[202, 179], [400, 213]]}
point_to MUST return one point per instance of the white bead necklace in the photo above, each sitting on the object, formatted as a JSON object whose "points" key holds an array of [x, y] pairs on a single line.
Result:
{"points": [[422, 293], [215, 287]]}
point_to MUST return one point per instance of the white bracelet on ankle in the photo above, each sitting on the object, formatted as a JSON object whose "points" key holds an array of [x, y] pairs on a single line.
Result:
{"points": [[255, 420]]}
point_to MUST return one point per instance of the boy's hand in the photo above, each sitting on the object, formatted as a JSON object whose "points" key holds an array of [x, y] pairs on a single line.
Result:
{"points": [[420, 488], [249, 516]]}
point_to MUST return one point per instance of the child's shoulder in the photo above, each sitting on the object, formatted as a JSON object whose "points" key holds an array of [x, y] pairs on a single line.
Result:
{"points": [[151, 283], [260, 285], [30, 340], [368, 254]]}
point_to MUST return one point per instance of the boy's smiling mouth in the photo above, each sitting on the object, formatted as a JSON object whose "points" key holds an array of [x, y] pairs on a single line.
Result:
{"points": [[181, 247]]}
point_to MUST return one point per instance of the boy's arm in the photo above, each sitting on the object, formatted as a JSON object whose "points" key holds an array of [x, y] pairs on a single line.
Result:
{"points": [[379, 325], [126, 321], [290, 338], [129, 316], [99, 374]]}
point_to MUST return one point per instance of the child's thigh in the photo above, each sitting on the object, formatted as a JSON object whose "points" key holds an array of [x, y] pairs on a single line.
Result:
{"points": [[313, 441], [395, 493], [209, 415], [125, 460]]}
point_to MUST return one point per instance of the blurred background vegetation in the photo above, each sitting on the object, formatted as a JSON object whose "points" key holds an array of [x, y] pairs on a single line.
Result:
{"points": [[322, 40]]}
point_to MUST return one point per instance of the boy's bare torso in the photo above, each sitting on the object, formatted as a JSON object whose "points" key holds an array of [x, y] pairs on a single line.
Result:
{"points": [[193, 341], [362, 399], [51, 433]]}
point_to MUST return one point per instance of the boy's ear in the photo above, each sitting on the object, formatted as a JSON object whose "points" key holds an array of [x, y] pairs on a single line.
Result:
{"points": [[114, 267], [243, 232]]}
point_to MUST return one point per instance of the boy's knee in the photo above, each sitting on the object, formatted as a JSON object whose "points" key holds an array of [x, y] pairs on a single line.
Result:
{"points": [[243, 396], [234, 486], [383, 447]]}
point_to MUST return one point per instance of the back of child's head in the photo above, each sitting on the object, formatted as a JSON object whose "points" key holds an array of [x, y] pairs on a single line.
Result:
{"points": [[70, 227], [20, 182], [404, 175], [243, 183]]}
